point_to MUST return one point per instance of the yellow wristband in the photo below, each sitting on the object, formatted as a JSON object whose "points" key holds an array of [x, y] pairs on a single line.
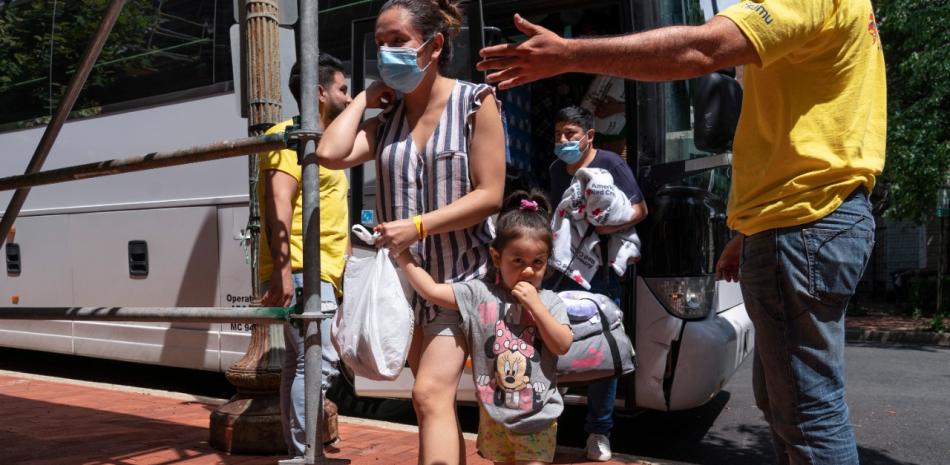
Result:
{"points": [[420, 228]]}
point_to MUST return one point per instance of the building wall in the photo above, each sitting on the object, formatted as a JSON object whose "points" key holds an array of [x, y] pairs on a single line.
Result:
{"points": [[899, 246], [933, 245], [906, 247]]}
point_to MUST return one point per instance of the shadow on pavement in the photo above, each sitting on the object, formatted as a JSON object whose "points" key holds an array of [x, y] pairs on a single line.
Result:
{"points": [[68, 434], [685, 437]]}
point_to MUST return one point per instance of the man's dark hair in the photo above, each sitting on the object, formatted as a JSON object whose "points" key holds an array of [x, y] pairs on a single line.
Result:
{"points": [[329, 65], [575, 115]]}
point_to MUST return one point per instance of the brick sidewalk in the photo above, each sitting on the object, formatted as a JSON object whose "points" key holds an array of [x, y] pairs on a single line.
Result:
{"points": [[59, 422]]}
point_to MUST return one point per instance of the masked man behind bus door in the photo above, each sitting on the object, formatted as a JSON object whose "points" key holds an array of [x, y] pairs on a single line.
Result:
{"points": [[574, 149]]}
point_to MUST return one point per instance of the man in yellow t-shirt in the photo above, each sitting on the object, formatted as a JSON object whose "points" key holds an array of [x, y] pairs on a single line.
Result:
{"points": [[280, 194], [809, 144]]}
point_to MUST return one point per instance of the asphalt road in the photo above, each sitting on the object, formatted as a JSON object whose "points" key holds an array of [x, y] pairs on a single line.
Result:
{"points": [[899, 398]]}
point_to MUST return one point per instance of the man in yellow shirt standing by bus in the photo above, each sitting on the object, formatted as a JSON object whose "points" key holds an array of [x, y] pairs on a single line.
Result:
{"points": [[809, 145], [280, 194]]}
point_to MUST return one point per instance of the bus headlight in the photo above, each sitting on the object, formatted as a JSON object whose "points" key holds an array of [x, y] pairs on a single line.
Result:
{"points": [[689, 298]]}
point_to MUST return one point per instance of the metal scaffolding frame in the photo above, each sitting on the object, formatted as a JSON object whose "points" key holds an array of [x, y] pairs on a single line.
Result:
{"points": [[306, 136]]}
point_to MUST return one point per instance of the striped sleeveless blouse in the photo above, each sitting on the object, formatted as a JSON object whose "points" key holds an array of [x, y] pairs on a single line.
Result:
{"points": [[414, 180]]}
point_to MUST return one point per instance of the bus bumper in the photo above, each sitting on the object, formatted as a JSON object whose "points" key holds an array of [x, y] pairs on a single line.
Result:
{"points": [[710, 353]]}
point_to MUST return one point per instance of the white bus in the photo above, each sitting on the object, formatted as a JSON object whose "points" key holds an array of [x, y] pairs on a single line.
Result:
{"points": [[174, 237]]}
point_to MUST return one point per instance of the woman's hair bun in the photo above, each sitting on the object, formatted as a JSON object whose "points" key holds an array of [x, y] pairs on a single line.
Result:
{"points": [[451, 16], [431, 17]]}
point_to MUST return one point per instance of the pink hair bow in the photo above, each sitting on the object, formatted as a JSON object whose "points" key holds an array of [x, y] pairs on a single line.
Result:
{"points": [[529, 205]]}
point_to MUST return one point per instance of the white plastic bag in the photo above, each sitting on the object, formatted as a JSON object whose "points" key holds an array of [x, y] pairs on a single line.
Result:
{"points": [[372, 330]]}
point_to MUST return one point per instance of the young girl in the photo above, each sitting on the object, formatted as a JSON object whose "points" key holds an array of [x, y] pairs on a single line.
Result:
{"points": [[515, 333]]}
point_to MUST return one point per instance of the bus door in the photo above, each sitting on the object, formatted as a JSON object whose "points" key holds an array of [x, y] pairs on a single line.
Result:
{"points": [[529, 110], [684, 179]]}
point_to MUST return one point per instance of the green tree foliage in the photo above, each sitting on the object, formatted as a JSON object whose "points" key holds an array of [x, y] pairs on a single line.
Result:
{"points": [[915, 34], [25, 56]]}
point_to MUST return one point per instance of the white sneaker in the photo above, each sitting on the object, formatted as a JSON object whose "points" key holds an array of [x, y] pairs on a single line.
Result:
{"points": [[598, 448]]}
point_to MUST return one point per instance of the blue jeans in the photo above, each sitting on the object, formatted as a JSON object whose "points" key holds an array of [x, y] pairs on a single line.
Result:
{"points": [[796, 283], [292, 391], [601, 394]]}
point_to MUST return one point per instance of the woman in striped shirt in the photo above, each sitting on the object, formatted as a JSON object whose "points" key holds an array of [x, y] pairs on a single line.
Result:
{"points": [[440, 163]]}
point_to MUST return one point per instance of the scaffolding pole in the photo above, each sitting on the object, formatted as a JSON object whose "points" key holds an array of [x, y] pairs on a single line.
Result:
{"points": [[76, 83], [153, 160], [309, 134]]}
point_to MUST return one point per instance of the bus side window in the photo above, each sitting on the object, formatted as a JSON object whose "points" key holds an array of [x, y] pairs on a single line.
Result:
{"points": [[156, 50]]}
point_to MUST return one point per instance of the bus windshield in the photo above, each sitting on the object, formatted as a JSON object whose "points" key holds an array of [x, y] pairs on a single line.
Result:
{"points": [[680, 105]]}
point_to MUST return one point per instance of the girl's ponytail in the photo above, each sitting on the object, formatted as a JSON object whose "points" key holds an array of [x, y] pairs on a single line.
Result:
{"points": [[524, 214]]}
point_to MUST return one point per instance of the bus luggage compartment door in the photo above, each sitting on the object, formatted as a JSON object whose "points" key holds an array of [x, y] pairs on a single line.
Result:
{"points": [[183, 272]]}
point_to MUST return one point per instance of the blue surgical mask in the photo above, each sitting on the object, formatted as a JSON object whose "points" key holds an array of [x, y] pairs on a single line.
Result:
{"points": [[569, 152], [399, 68]]}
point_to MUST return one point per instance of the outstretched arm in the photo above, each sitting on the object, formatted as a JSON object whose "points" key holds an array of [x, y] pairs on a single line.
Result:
{"points": [[664, 54], [440, 294]]}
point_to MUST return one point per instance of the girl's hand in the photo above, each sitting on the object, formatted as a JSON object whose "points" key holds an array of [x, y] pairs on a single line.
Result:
{"points": [[557, 337], [397, 236], [527, 296], [379, 95]]}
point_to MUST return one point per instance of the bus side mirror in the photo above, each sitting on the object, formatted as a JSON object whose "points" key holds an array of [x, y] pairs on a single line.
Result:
{"points": [[718, 100]]}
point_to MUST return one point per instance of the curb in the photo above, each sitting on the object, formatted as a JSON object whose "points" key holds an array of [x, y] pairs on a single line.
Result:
{"points": [[897, 337]]}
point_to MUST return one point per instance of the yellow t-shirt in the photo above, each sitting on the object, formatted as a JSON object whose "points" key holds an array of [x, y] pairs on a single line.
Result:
{"points": [[813, 121], [334, 215]]}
